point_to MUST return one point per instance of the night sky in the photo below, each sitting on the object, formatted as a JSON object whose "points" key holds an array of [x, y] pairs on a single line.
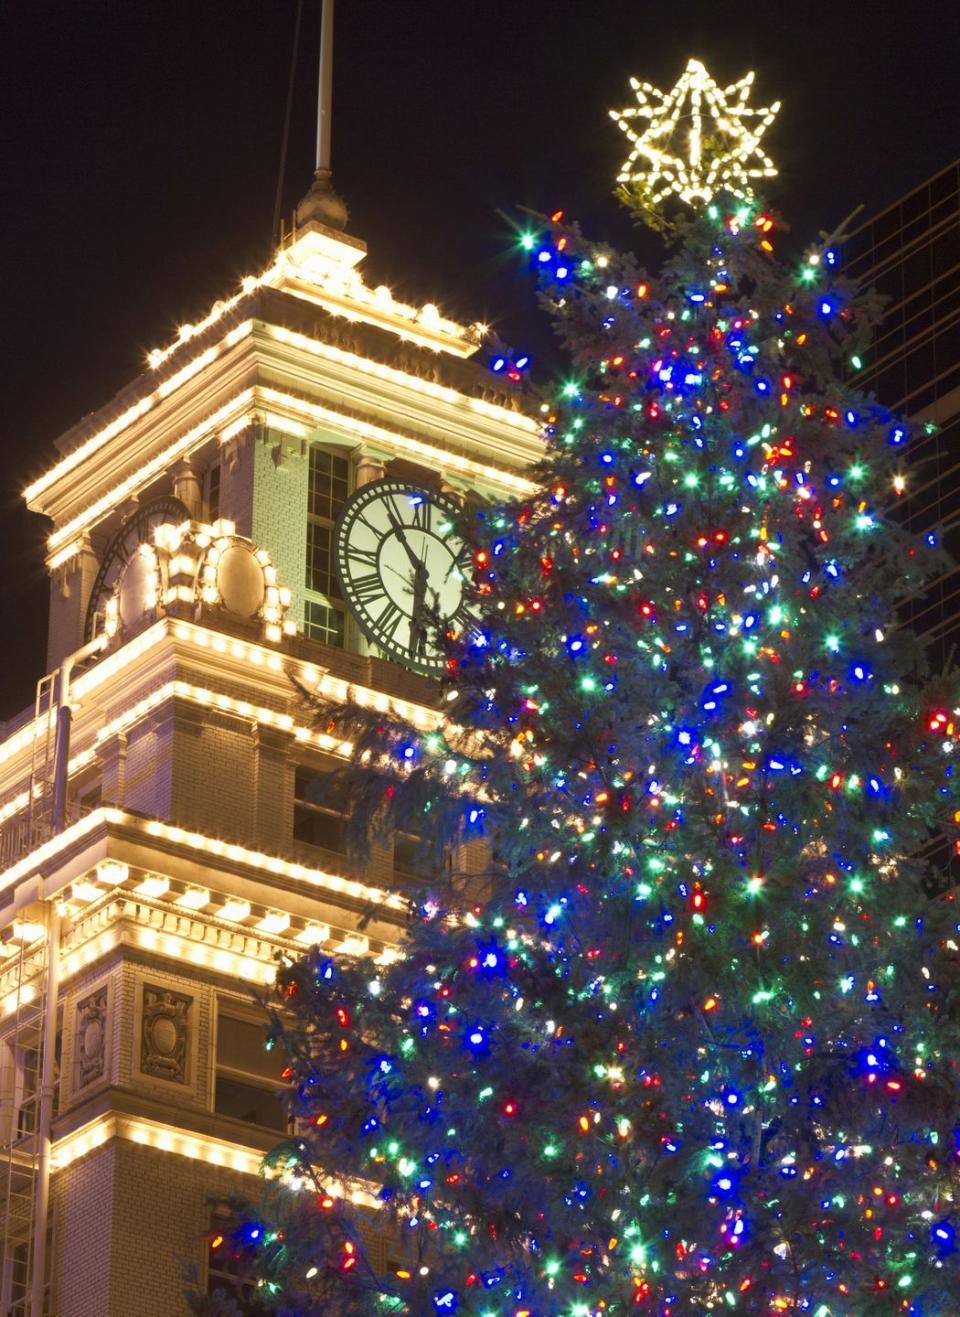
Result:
{"points": [[143, 144]]}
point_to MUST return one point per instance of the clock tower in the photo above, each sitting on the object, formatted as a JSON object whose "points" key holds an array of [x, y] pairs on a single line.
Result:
{"points": [[268, 506]]}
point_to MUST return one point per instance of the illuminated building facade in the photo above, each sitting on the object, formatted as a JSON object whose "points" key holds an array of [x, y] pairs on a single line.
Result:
{"points": [[910, 253], [163, 828]]}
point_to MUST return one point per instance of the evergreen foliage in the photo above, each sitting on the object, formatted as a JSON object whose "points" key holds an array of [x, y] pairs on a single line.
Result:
{"points": [[691, 1045]]}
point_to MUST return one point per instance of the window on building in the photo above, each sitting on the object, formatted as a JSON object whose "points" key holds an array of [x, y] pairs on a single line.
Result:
{"points": [[324, 622], [213, 492], [89, 796], [16, 1278], [409, 858], [320, 809], [20, 1064], [248, 1077], [57, 1061], [321, 577], [26, 1088], [230, 1260], [324, 615], [383, 1247]]}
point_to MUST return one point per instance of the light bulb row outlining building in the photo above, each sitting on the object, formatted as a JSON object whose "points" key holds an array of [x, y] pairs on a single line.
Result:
{"points": [[164, 827]]}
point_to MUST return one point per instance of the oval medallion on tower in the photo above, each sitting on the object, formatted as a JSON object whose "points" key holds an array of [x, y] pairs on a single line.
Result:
{"points": [[240, 581], [138, 587]]}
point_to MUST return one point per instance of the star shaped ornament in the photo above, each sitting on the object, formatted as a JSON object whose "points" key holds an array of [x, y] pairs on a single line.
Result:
{"points": [[695, 140]]}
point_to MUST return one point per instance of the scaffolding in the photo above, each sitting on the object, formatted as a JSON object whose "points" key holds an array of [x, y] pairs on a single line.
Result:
{"points": [[22, 1134], [42, 763]]}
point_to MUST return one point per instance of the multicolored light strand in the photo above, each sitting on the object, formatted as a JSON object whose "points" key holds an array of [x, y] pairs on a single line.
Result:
{"points": [[691, 1045]]}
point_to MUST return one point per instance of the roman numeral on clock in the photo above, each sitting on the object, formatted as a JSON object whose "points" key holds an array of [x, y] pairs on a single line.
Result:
{"points": [[422, 515], [367, 588], [460, 620], [364, 520], [362, 557], [389, 619]]}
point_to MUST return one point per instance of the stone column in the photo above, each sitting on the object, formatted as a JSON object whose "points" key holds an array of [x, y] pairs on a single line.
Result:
{"points": [[368, 470], [188, 488], [70, 587]]}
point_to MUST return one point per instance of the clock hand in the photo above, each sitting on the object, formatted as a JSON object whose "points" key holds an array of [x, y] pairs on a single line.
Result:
{"points": [[418, 614], [418, 590], [401, 536], [404, 576]]}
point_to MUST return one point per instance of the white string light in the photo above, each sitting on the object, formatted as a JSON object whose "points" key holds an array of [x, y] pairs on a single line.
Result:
{"points": [[111, 817], [63, 542], [700, 139], [202, 1148]]}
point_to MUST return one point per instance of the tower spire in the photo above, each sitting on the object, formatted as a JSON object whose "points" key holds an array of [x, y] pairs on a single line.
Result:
{"points": [[325, 88], [322, 205]]}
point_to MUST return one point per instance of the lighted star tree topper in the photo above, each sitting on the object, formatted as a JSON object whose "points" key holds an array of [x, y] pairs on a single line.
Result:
{"points": [[699, 139]]}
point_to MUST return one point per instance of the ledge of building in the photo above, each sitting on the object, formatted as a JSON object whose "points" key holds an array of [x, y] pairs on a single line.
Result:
{"points": [[188, 1120]]}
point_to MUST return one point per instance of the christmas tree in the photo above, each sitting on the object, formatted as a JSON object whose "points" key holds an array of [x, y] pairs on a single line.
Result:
{"points": [[691, 1045]]}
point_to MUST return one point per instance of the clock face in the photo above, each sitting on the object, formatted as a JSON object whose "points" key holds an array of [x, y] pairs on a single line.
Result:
{"points": [[136, 530], [401, 566]]}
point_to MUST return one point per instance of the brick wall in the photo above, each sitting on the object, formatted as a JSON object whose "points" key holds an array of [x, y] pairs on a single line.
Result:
{"points": [[213, 762], [84, 1215], [69, 592], [129, 1222], [279, 516], [236, 481]]}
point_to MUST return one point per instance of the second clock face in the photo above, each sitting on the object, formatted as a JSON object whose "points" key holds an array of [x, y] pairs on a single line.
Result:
{"points": [[136, 530], [401, 565]]}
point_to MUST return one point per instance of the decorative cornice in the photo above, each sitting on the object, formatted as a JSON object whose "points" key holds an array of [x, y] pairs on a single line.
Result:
{"points": [[203, 379], [141, 676], [180, 1142], [106, 909], [51, 862]]}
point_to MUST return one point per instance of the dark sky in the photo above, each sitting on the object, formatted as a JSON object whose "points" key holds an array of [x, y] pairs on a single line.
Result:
{"points": [[143, 142]]}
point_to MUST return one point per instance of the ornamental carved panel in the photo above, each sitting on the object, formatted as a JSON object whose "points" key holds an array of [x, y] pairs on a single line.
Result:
{"points": [[91, 1037], [164, 1034]]}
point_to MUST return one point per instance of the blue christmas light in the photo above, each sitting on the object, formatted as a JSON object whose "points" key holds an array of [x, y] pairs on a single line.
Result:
{"points": [[713, 694], [944, 1236]]}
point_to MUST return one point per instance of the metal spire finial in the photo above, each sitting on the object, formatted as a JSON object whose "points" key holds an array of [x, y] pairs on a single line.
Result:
{"points": [[322, 205]]}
